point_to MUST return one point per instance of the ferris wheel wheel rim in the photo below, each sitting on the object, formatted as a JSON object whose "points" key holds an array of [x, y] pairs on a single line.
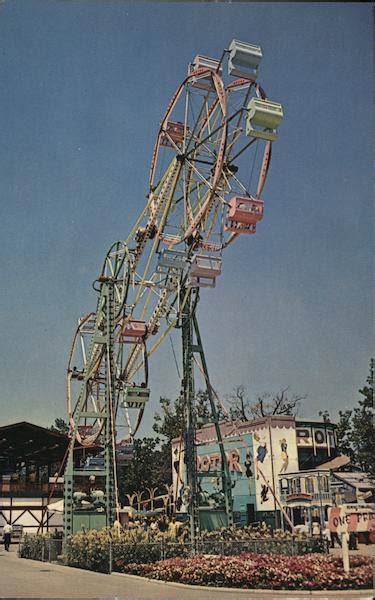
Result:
{"points": [[222, 100]]}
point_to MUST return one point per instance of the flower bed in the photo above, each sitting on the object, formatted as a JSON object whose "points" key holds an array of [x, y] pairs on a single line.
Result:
{"points": [[260, 571]]}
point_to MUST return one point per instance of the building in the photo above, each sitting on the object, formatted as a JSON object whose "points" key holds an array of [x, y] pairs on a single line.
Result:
{"points": [[30, 458], [282, 469]]}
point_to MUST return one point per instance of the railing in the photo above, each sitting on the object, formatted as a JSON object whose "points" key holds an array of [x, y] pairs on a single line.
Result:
{"points": [[19, 487], [325, 497]]}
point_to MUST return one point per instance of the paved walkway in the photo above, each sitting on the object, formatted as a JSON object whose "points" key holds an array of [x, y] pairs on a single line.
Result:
{"points": [[363, 550], [21, 578]]}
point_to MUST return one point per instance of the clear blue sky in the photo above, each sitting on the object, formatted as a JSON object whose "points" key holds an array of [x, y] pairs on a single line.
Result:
{"points": [[84, 86]]}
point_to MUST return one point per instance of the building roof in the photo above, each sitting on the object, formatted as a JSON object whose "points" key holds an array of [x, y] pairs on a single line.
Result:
{"points": [[26, 441], [326, 467], [233, 429], [334, 463], [356, 479]]}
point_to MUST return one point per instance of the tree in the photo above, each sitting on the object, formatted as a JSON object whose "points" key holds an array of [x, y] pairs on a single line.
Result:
{"points": [[239, 405], [60, 426], [355, 430], [325, 416], [149, 468], [363, 434], [202, 408], [172, 422], [266, 405], [344, 434]]}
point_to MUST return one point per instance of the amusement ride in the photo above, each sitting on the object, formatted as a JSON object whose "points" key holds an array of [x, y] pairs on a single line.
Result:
{"points": [[200, 200]]}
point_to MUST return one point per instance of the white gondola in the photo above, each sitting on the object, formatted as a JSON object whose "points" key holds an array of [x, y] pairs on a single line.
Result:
{"points": [[171, 259], [204, 62], [265, 114], [204, 270], [244, 60], [135, 396]]}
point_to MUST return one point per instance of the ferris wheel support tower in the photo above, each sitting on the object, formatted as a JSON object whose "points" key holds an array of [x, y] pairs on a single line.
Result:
{"points": [[192, 344]]}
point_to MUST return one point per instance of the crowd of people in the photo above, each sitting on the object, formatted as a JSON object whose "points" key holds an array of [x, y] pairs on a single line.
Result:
{"points": [[161, 524]]}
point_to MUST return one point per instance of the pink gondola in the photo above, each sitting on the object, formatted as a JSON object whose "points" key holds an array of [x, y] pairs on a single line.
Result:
{"points": [[132, 330], [175, 131], [243, 214]]}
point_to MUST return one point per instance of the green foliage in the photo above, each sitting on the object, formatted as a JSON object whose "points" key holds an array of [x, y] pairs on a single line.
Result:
{"points": [[355, 430], [150, 468], [32, 546], [91, 549], [363, 433], [344, 434], [232, 540], [60, 426], [171, 423], [46, 547]]}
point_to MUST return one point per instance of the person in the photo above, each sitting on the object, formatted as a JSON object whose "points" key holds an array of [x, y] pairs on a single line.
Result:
{"points": [[284, 455], [261, 455], [335, 538], [247, 465], [353, 540], [163, 524], [153, 525], [264, 493], [173, 528], [7, 534]]}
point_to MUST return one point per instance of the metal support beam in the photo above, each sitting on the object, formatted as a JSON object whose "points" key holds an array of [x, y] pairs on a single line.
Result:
{"points": [[225, 477], [190, 330], [77, 478], [189, 400]]}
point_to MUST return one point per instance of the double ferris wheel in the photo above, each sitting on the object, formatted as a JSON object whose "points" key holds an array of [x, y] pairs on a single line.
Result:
{"points": [[208, 170]]}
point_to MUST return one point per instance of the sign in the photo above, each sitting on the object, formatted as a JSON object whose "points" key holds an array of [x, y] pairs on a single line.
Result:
{"points": [[304, 436], [212, 461], [298, 496], [344, 519]]}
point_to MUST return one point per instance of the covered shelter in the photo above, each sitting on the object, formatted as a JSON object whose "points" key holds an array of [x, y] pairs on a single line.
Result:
{"points": [[31, 458]]}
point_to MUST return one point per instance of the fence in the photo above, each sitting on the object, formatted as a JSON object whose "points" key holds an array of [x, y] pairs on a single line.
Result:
{"points": [[115, 554], [38, 547]]}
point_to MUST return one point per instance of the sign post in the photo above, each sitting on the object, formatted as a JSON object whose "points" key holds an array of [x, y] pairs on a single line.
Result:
{"points": [[348, 518], [345, 552]]}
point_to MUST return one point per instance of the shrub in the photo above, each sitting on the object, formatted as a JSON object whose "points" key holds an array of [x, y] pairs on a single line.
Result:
{"points": [[261, 571], [31, 546]]}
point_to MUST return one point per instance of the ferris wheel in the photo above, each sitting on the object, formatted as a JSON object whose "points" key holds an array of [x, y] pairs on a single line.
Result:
{"points": [[208, 170]]}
